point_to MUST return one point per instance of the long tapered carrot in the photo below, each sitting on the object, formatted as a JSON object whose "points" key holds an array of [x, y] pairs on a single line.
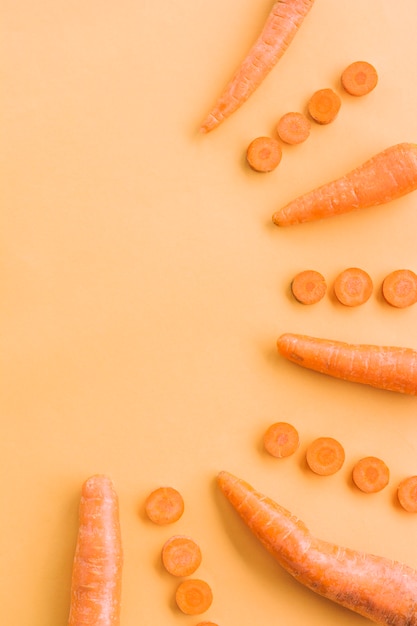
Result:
{"points": [[387, 176], [383, 590], [97, 568], [386, 367], [280, 28]]}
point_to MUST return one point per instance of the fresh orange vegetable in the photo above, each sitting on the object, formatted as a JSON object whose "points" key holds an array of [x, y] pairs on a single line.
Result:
{"points": [[324, 106], [385, 367], [399, 288], [181, 555], [407, 494], [264, 154], [164, 505], [370, 474], [325, 456], [309, 287], [194, 596], [293, 128], [353, 286], [387, 176], [97, 568], [206, 624], [280, 28], [359, 78], [281, 439]]}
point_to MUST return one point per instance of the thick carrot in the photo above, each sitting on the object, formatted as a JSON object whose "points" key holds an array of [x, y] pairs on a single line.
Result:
{"points": [[181, 555], [359, 78], [308, 287], [378, 588], [324, 106], [264, 154], [281, 439], [97, 568], [385, 367], [193, 596], [353, 286], [407, 494], [293, 128], [164, 505], [387, 176], [280, 28], [325, 456], [399, 288], [370, 474]]}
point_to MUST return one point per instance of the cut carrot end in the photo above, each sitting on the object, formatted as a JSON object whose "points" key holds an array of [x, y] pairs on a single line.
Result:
{"points": [[194, 596], [164, 505], [353, 286], [308, 287], [293, 128], [325, 456], [181, 555], [399, 288], [281, 439], [407, 494], [359, 78], [324, 105], [370, 474], [264, 154]]}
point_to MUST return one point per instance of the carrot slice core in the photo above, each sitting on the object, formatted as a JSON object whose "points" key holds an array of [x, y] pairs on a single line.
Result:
{"points": [[281, 439], [370, 474], [325, 456]]}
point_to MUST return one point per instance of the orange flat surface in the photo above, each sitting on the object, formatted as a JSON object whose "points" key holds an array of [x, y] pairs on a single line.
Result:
{"points": [[143, 287]]}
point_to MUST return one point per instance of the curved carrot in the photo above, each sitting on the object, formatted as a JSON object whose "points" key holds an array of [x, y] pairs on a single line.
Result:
{"points": [[264, 154], [407, 494], [325, 456], [181, 555], [385, 367], [280, 28], [194, 596], [281, 439], [378, 588], [324, 105], [97, 569], [399, 288], [308, 287], [370, 474], [359, 78], [387, 176], [293, 128], [164, 505], [353, 286]]}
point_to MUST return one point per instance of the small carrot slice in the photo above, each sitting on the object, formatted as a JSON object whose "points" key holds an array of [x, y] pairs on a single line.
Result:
{"points": [[181, 555], [164, 505], [293, 128], [353, 286], [194, 596], [359, 78], [264, 154], [324, 105], [370, 474], [399, 288], [308, 287], [325, 456], [407, 494], [281, 439]]}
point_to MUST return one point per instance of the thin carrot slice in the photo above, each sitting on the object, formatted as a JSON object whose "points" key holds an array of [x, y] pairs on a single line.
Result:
{"points": [[308, 287], [407, 494], [353, 286], [399, 288], [324, 105], [264, 154], [370, 474], [359, 78], [293, 128], [194, 596], [325, 456], [281, 439], [164, 505], [181, 555]]}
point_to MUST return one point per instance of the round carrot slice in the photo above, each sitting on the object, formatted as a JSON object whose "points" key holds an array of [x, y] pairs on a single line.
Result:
{"points": [[281, 439], [164, 505], [194, 596], [324, 105], [308, 287], [370, 474], [359, 78], [407, 494], [325, 456], [353, 286], [293, 128], [264, 154], [181, 555], [399, 288]]}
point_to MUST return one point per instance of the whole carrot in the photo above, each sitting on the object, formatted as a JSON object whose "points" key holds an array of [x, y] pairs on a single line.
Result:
{"points": [[387, 176], [97, 568], [280, 28], [383, 590], [385, 367]]}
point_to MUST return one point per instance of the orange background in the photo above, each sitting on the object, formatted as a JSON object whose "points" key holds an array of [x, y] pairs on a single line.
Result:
{"points": [[143, 287]]}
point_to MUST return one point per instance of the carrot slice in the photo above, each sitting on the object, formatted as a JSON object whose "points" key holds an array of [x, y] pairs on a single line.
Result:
{"points": [[308, 287], [324, 105], [181, 555], [407, 494], [353, 286], [164, 505], [194, 596], [399, 288], [359, 78], [370, 474], [325, 456], [281, 439], [206, 624], [293, 128], [264, 154]]}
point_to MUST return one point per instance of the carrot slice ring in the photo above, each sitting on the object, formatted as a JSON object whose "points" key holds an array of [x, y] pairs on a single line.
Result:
{"points": [[281, 439], [293, 128], [164, 505], [353, 286], [181, 555], [370, 474], [264, 154], [324, 106], [309, 287], [194, 596], [325, 456], [399, 288], [359, 78]]}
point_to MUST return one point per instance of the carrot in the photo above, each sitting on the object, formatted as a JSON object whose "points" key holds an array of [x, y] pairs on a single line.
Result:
{"points": [[384, 367], [280, 28], [399, 288], [387, 176], [377, 588], [206, 624], [353, 286], [293, 128], [194, 596], [324, 105], [97, 568], [370, 474], [164, 505], [325, 456], [264, 154], [281, 439], [181, 555], [359, 78], [309, 287], [407, 494]]}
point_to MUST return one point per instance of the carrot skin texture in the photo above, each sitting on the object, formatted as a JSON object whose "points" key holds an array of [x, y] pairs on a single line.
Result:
{"points": [[388, 175], [98, 560], [380, 589], [280, 28], [384, 367]]}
